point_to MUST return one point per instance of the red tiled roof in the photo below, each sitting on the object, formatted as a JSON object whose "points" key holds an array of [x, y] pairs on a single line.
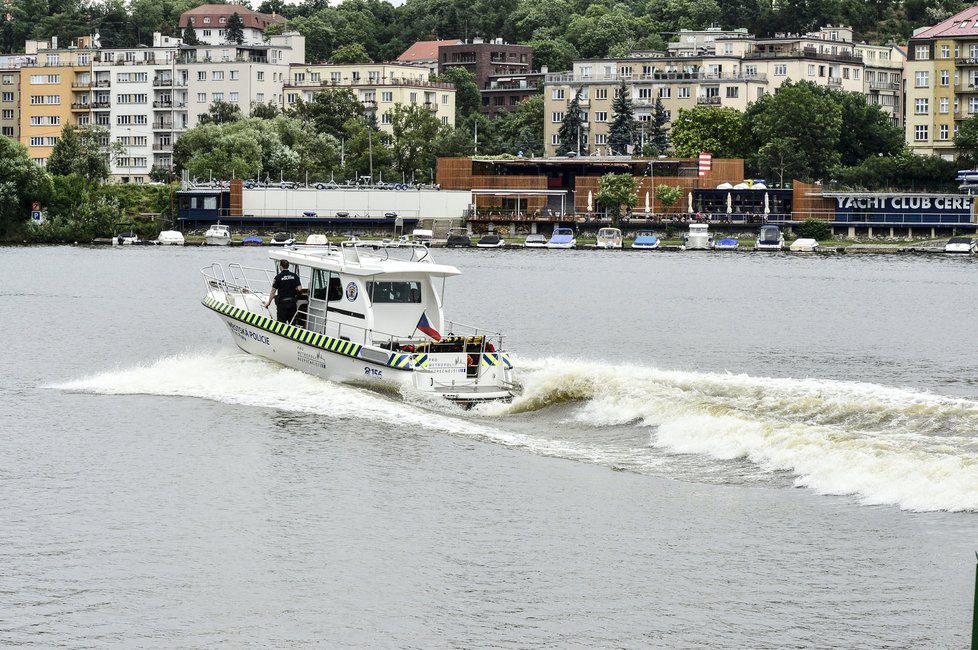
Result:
{"points": [[250, 18], [425, 50], [964, 23]]}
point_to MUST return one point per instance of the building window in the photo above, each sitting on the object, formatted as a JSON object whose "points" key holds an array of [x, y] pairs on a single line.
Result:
{"points": [[601, 93], [8, 114], [261, 76], [233, 98], [7, 97], [645, 94], [944, 105], [922, 79], [207, 32], [558, 93], [944, 132], [207, 20], [921, 52], [8, 131], [920, 132], [444, 119], [811, 69], [683, 92], [973, 105], [385, 118], [558, 116], [235, 75], [600, 138], [945, 77], [201, 75], [260, 98], [555, 139], [780, 70], [217, 75], [665, 93], [945, 51], [732, 92], [921, 106], [387, 96], [600, 116], [201, 98]]}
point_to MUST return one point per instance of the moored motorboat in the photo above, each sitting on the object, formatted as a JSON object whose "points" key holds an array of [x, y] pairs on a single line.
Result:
{"points": [[317, 240], [535, 240], [217, 235], [252, 241], [372, 319], [770, 238], [646, 239], [458, 238], [491, 241], [961, 245], [282, 239], [803, 245], [171, 238], [562, 238], [608, 238], [126, 238], [698, 238], [727, 244]]}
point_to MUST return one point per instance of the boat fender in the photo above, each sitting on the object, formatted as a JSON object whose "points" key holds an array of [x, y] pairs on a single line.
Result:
{"points": [[469, 360], [490, 347], [408, 348]]}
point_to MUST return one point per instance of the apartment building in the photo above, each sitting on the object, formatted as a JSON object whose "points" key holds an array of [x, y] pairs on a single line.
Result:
{"points": [[425, 53], [941, 83], [883, 78], [706, 68], [10, 94], [379, 86], [503, 72], [209, 23]]}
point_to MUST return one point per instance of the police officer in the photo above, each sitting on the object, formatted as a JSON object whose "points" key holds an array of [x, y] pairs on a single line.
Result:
{"points": [[284, 292]]}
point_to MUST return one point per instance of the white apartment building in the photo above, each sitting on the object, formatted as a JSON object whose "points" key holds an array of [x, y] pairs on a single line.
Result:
{"points": [[209, 23], [708, 68], [379, 86]]}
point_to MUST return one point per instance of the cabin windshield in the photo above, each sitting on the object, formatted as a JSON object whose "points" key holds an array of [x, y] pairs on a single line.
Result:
{"points": [[402, 291], [768, 234]]}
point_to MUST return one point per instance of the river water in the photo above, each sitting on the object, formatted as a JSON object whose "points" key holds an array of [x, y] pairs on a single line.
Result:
{"points": [[711, 450]]}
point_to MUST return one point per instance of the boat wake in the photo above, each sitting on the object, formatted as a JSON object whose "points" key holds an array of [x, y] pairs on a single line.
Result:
{"points": [[882, 445]]}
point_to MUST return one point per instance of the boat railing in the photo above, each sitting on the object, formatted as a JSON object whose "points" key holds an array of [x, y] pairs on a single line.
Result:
{"points": [[416, 251], [237, 279]]}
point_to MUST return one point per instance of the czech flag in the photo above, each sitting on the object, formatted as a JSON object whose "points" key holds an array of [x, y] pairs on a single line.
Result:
{"points": [[426, 327]]}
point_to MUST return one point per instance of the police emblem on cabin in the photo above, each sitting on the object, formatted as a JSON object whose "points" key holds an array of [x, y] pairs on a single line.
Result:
{"points": [[352, 291]]}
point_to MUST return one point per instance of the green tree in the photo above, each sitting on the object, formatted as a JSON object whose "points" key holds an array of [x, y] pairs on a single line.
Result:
{"points": [[468, 99], [719, 131], [353, 53], [555, 53], [572, 135], [782, 159], [901, 172], [329, 110], [803, 112], [667, 195], [190, 36], [616, 190], [521, 132], [21, 183], [65, 152], [866, 130], [83, 151], [415, 131], [265, 111], [659, 134], [221, 112], [621, 133], [966, 139], [235, 29]]}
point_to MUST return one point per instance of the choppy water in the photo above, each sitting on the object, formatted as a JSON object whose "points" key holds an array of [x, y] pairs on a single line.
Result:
{"points": [[794, 440]]}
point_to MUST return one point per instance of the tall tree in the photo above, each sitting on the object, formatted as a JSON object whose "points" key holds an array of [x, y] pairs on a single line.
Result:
{"points": [[21, 183], [353, 53], [468, 99], [65, 152], [235, 29], [621, 134], [329, 110], [782, 159], [221, 112], [415, 132], [572, 136], [83, 151], [190, 36], [659, 134], [616, 190], [707, 128]]}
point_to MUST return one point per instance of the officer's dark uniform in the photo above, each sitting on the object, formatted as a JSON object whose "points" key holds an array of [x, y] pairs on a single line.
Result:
{"points": [[286, 284]]}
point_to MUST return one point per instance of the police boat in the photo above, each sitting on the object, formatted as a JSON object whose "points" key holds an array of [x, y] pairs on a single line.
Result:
{"points": [[369, 316]]}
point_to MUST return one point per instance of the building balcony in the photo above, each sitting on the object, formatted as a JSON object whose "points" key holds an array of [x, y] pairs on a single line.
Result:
{"points": [[370, 104], [884, 85], [966, 62], [162, 82], [431, 106], [80, 106], [162, 104], [966, 87], [159, 147], [162, 125], [81, 84], [835, 81], [711, 100], [102, 83], [804, 53], [653, 78], [101, 105]]}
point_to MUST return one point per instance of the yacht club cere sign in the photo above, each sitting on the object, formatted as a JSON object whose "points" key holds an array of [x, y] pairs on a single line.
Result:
{"points": [[903, 208]]}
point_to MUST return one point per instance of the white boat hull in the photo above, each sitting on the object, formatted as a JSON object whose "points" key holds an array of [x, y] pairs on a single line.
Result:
{"points": [[447, 375], [211, 240]]}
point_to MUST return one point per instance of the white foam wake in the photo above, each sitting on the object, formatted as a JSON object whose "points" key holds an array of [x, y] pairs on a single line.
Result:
{"points": [[885, 445]]}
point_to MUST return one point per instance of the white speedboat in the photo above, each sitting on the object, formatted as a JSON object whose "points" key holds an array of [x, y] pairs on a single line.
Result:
{"points": [[609, 238], [961, 245], [374, 317], [646, 239], [535, 241], [769, 239], [491, 241], [282, 239], [171, 238], [217, 235], [803, 245], [698, 238], [317, 240], [126, 238], [562, 238]]}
